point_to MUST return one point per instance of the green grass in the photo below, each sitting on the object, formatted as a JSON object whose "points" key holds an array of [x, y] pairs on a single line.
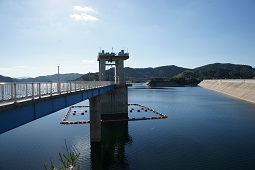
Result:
{"points": [[68, 162]]}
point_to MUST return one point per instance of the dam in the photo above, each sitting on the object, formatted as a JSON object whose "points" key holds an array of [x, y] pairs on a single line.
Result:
{"points": [[242, 89], [205, 130]]}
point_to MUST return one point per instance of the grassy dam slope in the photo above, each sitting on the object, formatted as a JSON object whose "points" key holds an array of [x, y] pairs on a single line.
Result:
{"points": [[242, 89]]}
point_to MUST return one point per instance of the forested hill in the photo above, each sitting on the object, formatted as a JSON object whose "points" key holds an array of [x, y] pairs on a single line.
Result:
{"points": [[7, 79], [225, 71], [181, 75], [53, 78], [144, 74], [139, 74], [210, 71]]}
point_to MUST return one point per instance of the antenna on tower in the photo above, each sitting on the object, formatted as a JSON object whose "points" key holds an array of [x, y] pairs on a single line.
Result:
{"points": [[100, 49]]}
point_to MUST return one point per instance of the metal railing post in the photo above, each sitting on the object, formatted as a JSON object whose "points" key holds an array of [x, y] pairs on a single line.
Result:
{"points": [[70, 87], [47, 90], [11, 86], [59, 87], [26, 90], [15, 93], [39, 89], [33, 91], [2, 91], [50, 88]]}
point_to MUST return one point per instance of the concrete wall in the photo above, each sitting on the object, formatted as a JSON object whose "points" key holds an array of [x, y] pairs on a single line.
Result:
{"points": [[242, 89], [115, 101]]}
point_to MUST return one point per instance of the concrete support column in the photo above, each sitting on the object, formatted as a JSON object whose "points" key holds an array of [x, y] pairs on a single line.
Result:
{"points": [[95, 119], [102, 76], [116, 101], [121, 72], [117, 72]]}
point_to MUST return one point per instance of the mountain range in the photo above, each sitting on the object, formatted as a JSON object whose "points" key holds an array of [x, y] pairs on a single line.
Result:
{"points": [[138, 74], [53, 78], [165, 73], [210, 71]]}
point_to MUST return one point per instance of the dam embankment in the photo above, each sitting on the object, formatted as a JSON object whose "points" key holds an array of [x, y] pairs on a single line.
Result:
{"points": [[242, 89]]}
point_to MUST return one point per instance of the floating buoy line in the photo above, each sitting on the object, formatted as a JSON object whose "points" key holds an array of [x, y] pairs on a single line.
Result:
{"points": [[83, 110]]}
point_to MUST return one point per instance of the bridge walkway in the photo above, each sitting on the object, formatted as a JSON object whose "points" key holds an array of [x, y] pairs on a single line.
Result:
{"points": [[21, 103]]}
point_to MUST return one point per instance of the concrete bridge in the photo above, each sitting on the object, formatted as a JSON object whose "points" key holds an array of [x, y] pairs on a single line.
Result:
{"points": [[21, 103]]}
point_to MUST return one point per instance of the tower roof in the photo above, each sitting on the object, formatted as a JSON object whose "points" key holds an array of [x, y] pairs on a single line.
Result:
{"points": [[112, 56]]}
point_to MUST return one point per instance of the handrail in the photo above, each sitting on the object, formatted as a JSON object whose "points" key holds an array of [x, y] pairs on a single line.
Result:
{"points": [[14, 91]]}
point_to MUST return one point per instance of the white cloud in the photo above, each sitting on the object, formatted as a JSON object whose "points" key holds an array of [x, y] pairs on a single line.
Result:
{"points": [[83, 17], [83, 9]]}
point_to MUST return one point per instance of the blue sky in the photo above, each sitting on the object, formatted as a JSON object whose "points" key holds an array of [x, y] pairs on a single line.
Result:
{"points": [[38, 35]]}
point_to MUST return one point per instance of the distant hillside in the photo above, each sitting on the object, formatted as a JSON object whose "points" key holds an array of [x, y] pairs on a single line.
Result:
{"points": [[139, 74], [210, 71], [54, 78], [7, 79], [144, 74], [88, 77], [225, 71]]}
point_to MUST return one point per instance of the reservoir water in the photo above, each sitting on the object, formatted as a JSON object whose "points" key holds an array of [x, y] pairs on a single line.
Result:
{"points": [[204, 130]]}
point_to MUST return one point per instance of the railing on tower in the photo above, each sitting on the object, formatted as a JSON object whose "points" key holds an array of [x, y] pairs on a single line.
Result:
{"points": [[12, 92]]}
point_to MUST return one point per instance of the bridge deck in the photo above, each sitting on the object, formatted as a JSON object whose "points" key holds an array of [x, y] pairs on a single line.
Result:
{"points": [[18, 106]]}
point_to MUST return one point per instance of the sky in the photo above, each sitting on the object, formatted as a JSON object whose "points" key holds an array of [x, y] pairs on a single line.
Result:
{"points": [[37, 36]]}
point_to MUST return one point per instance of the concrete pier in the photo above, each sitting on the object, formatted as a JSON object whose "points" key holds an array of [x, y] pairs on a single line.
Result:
{"points": [[241, 89], [95, 119], [115, 103]]}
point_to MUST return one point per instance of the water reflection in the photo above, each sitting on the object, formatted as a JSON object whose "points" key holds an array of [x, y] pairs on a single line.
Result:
{"points": [[110, 153]]}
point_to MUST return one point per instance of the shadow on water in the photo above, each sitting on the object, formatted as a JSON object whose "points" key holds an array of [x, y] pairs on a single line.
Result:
{"points": [[110, 152], [149, 87]]}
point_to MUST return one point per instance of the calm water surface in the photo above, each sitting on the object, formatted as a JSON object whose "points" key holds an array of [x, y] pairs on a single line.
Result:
{"points": [[204, 130]]}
